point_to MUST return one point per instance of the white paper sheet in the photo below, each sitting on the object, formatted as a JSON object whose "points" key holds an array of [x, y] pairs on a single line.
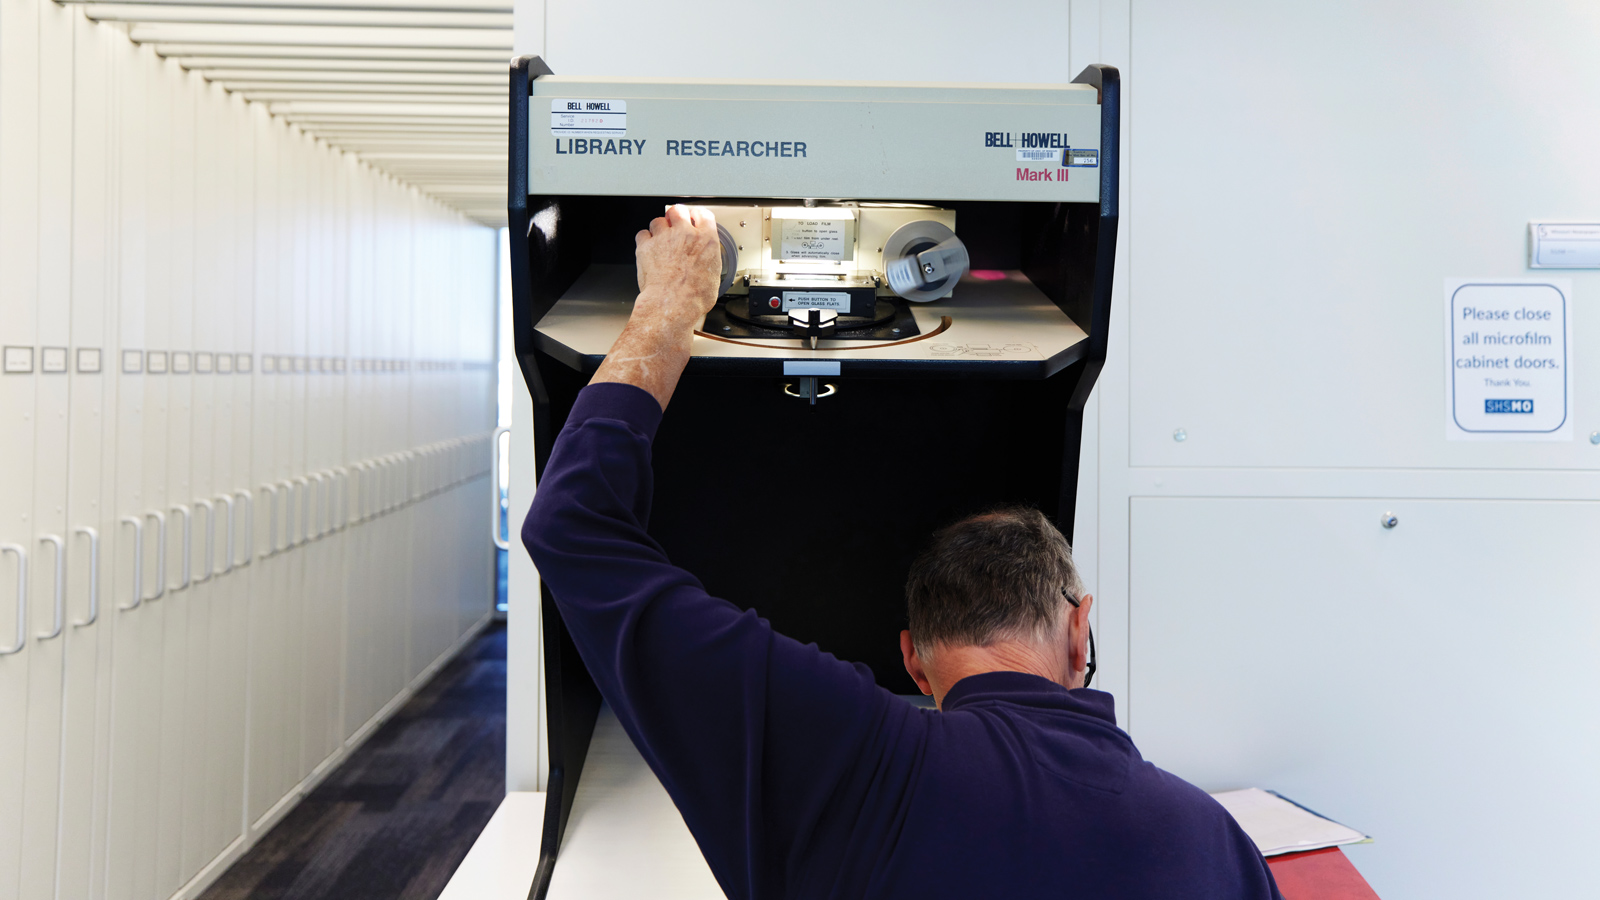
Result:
{"points": [[1278, 826]]}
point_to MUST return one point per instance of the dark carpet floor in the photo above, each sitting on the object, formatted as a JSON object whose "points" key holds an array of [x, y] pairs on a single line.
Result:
{"points": [[399, 815]]}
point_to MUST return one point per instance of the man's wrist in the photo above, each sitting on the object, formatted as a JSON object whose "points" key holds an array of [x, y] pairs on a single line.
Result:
{"points": [[674, 309]]}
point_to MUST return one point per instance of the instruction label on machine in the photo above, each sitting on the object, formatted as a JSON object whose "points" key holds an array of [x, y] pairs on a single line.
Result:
{"points": [[815, 238], [839, 300], [589, 118], [1509, 349]]}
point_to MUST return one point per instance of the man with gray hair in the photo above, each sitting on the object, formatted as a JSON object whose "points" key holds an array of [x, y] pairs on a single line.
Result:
{"points": [[797, 775]]}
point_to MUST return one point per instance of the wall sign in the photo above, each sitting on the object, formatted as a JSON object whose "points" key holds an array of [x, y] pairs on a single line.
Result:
{"points": [[1509, 352]]}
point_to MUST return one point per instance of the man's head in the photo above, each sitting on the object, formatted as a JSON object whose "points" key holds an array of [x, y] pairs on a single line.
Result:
{"points": [[991, 593]]}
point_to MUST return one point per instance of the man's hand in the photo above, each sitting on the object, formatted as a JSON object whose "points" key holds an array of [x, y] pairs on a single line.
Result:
{"points": [[680, 266]]}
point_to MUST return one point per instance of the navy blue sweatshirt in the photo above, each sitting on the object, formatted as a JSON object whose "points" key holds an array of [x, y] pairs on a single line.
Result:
{"points": [[800, 777]]}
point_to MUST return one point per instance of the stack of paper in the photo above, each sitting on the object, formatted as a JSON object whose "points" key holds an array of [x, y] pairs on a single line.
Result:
{"points": [[1279, 826]]}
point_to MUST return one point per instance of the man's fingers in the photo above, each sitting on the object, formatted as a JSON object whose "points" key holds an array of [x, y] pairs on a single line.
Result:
{"points": [[703, 218], [640, 238], [658, 225], [678, 214]]}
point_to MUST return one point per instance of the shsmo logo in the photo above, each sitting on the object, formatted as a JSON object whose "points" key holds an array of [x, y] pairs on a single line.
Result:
{"points": [[1498, 405]]}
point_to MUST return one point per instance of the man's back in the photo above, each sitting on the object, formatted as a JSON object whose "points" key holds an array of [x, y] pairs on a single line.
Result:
{"points": [[799, 777], [1039, 784]]}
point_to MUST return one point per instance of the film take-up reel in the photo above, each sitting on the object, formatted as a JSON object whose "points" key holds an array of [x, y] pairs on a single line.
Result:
{"points": [[923, 260], [843, 271]]}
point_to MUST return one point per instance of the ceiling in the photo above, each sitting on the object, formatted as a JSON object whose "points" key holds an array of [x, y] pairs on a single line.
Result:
{"points": [[414, 87]]}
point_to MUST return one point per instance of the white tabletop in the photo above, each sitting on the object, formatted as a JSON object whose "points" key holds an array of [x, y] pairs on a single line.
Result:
{"points": [[625, 839], [1000, 318], [501, 863]]}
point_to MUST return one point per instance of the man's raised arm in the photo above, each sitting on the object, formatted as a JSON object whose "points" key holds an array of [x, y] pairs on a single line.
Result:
{"points": [[754, 736], [679, 258]]}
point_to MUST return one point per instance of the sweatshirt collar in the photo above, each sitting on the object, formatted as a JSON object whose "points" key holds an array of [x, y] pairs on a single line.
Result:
{"points": [[1022, 689]]}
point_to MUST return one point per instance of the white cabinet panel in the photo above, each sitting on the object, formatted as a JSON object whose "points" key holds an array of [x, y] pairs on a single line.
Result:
{"points": [[47, 619], [1291, 228], [173, 175], [130, 789], [91, 450], [20, 669], [1432, 685]]}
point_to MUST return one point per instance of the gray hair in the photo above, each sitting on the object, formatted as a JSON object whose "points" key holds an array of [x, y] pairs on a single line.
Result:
{"points": [[994, 576]]}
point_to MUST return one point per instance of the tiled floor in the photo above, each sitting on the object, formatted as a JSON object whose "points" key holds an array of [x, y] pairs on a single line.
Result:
{"points": [[396, 819]]}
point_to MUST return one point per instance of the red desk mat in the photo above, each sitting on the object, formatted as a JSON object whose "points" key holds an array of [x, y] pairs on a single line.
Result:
{"points": [[1319, 875]]}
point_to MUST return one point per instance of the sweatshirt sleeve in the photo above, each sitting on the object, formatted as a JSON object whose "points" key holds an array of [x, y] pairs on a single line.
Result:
{"points": [[758, 739]]}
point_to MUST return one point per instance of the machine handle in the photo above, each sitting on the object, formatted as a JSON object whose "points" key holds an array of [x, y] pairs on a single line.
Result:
{"points": [[138, 561], [344, 497], [413, 480], [188, 544], [211, 539], [385, 490], [249, 532], [322, 511], [22, 597], [288, 515], [61, 572], [303, 511], [227, 501], [161, 552], [94, 575], [331, 499], [272, 521], [494, 495]]}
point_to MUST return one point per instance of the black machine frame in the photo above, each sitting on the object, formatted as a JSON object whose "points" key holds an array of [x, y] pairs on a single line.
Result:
{"points": [[1024, 446]]}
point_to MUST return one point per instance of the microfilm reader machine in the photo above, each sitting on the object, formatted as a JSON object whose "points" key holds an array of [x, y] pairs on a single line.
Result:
{"points": [[915, 294]]}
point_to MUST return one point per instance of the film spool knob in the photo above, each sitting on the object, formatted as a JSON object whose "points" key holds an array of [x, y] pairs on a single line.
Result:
{"points": [[923, 260], [730, 260]]}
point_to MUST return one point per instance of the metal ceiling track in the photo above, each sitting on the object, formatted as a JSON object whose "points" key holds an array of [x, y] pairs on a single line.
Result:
{"points": [[414, 88]]}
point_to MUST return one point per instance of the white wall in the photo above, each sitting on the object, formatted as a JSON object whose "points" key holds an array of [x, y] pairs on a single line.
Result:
{"points": [[1302, 179], [298, 329], [1298, 182]]}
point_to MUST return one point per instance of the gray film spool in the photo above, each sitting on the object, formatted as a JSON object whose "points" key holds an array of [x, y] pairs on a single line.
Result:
{"points": [[730, 260], [910, 239]]}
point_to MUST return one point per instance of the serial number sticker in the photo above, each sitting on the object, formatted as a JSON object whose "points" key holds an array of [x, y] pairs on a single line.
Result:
{"points": [[838, 300], [1038, 154], [589, 118], [1083, 157], [815, 239]]}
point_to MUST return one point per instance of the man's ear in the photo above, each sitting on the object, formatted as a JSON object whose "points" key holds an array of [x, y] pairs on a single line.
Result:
{"points": [[908, 652], [1078, 638]]}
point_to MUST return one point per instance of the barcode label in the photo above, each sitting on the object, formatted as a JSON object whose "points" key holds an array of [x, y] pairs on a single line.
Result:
{"points": [[1038, 154]]}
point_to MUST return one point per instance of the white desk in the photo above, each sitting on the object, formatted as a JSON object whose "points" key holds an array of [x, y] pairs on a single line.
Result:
{"points": [[624, 840], [502, 860]]}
